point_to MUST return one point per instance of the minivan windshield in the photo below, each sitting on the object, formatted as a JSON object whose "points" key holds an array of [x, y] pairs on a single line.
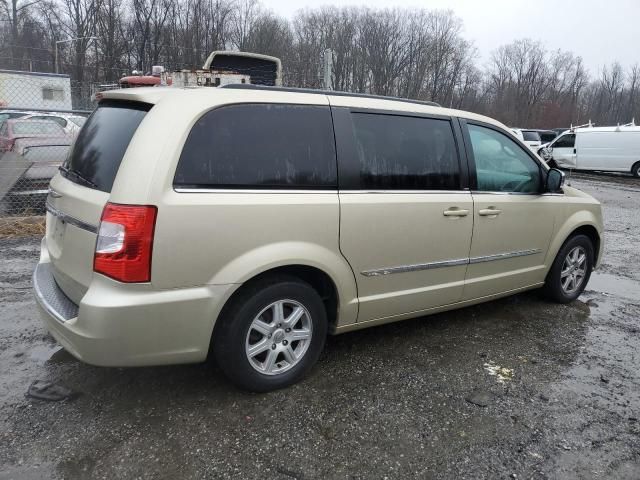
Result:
{"points": [[102, 142], [530, 136]]}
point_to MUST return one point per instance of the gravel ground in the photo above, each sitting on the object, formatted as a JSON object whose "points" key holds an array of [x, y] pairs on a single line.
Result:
{"points": [[560, 387]]}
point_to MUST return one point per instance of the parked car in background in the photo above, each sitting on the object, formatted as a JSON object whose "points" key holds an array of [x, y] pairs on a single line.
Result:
{"points": [[607, 149], [547, 136], [268, 217], [9, 114], [16, 128], [531, 138], [33, 162], [71, 124]]}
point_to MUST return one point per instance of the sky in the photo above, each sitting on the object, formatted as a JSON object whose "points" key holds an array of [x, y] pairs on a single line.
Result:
{"points": [[600, 31]]}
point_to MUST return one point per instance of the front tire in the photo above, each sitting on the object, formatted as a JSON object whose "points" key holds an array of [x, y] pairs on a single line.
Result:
{"points": [[271, 334], [571, 270], [635, 170]]}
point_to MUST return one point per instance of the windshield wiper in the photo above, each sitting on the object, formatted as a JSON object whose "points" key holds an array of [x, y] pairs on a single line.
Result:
{"points": [[77, 176]]}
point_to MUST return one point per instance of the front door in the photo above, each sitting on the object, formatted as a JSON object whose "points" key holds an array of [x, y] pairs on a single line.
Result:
{"points": [[405, 222], [513, 221], [564, 151]]}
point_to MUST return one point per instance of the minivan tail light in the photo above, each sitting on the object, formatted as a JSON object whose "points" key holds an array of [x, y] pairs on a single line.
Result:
{"points": [[125, 242]]}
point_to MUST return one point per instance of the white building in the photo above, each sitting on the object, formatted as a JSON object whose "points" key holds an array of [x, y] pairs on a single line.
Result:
{"points": [[35, 90]]}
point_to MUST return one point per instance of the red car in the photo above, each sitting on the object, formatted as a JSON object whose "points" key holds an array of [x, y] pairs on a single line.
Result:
{"points": [[19, 128]]}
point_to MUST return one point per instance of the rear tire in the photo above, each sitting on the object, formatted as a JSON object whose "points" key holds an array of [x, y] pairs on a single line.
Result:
{"points": [[571, 270], [635, 170], [270, 334]]}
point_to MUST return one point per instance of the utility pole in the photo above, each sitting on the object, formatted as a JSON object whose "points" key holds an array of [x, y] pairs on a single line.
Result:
{"points": [[327, 69]]}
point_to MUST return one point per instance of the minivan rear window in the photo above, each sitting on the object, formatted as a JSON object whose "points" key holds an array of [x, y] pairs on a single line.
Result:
{"points": [[260, 146], [530, 136], [102, 142]]}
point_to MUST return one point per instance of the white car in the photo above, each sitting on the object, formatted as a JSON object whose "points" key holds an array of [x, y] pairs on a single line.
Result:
{"points": [[71, 124], [11, 114], [531, 138]]}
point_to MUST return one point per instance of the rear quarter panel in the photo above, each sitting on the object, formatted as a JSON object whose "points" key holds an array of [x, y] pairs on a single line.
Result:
{"points": [[227, 237]]}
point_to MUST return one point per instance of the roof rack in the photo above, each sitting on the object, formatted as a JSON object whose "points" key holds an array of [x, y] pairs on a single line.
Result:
{"points": [[248, 86], [573, 128]]}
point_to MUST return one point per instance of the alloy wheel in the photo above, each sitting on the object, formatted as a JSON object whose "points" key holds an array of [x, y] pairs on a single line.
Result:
{"points": [[574, 270], [278, 337]]}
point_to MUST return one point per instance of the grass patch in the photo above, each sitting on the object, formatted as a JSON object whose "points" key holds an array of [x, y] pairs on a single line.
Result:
{"points": [[12, 227]]}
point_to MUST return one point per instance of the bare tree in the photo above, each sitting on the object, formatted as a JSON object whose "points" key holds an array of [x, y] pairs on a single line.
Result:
{"points": [[244, 18], [17, 12], [416, 53]]}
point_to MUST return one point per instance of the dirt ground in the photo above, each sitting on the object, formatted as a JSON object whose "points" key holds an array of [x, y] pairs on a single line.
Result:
{"points": [[561, 385]]}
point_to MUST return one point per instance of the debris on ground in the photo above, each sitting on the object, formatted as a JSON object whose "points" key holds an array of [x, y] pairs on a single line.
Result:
{"points": [[49, 391], [481, 398], [502, 374]]}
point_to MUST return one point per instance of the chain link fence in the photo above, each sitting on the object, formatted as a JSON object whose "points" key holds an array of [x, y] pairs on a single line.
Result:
{"points": [[40, 116]]}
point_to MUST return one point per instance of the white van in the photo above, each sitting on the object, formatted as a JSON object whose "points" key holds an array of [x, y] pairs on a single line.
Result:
{"points": [[609, 149]]}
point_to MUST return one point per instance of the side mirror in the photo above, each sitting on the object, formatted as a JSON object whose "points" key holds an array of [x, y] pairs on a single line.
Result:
{"points": [[555, 181]]}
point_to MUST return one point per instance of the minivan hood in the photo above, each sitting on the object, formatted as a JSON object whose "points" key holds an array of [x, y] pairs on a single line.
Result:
{"points": [[570, 191]]}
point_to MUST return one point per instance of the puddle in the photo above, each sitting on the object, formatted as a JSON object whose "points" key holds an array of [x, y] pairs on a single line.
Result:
{"points": [[613, 285]]}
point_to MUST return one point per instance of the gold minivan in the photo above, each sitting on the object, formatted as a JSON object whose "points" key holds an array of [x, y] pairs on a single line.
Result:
{"points": [[250, 222]]}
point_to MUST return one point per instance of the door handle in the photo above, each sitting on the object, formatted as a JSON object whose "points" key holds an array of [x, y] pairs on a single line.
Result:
{"points": [[455, 212], [489, 212]]}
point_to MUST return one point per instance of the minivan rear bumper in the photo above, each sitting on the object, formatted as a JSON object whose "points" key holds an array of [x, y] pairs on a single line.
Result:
{"points": [[130, 325]]}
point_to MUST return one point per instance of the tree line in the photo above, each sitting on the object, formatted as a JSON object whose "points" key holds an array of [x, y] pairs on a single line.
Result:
{"points": [[413, 53]]}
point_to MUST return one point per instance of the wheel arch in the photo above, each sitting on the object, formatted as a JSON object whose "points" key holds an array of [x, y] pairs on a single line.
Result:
{"points": [[314, 276], [319, 280], [591, 232], [325, 270], [583, 223]]}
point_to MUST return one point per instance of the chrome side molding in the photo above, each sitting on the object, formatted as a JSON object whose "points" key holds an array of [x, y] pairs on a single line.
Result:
{"points": [[448, 263], [502, 256], [416, 267]]}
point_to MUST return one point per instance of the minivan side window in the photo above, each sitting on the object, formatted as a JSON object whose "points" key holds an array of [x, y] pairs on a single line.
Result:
{"points": [[501, 164], [260, 146], [398, 152], [565, 141]]}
